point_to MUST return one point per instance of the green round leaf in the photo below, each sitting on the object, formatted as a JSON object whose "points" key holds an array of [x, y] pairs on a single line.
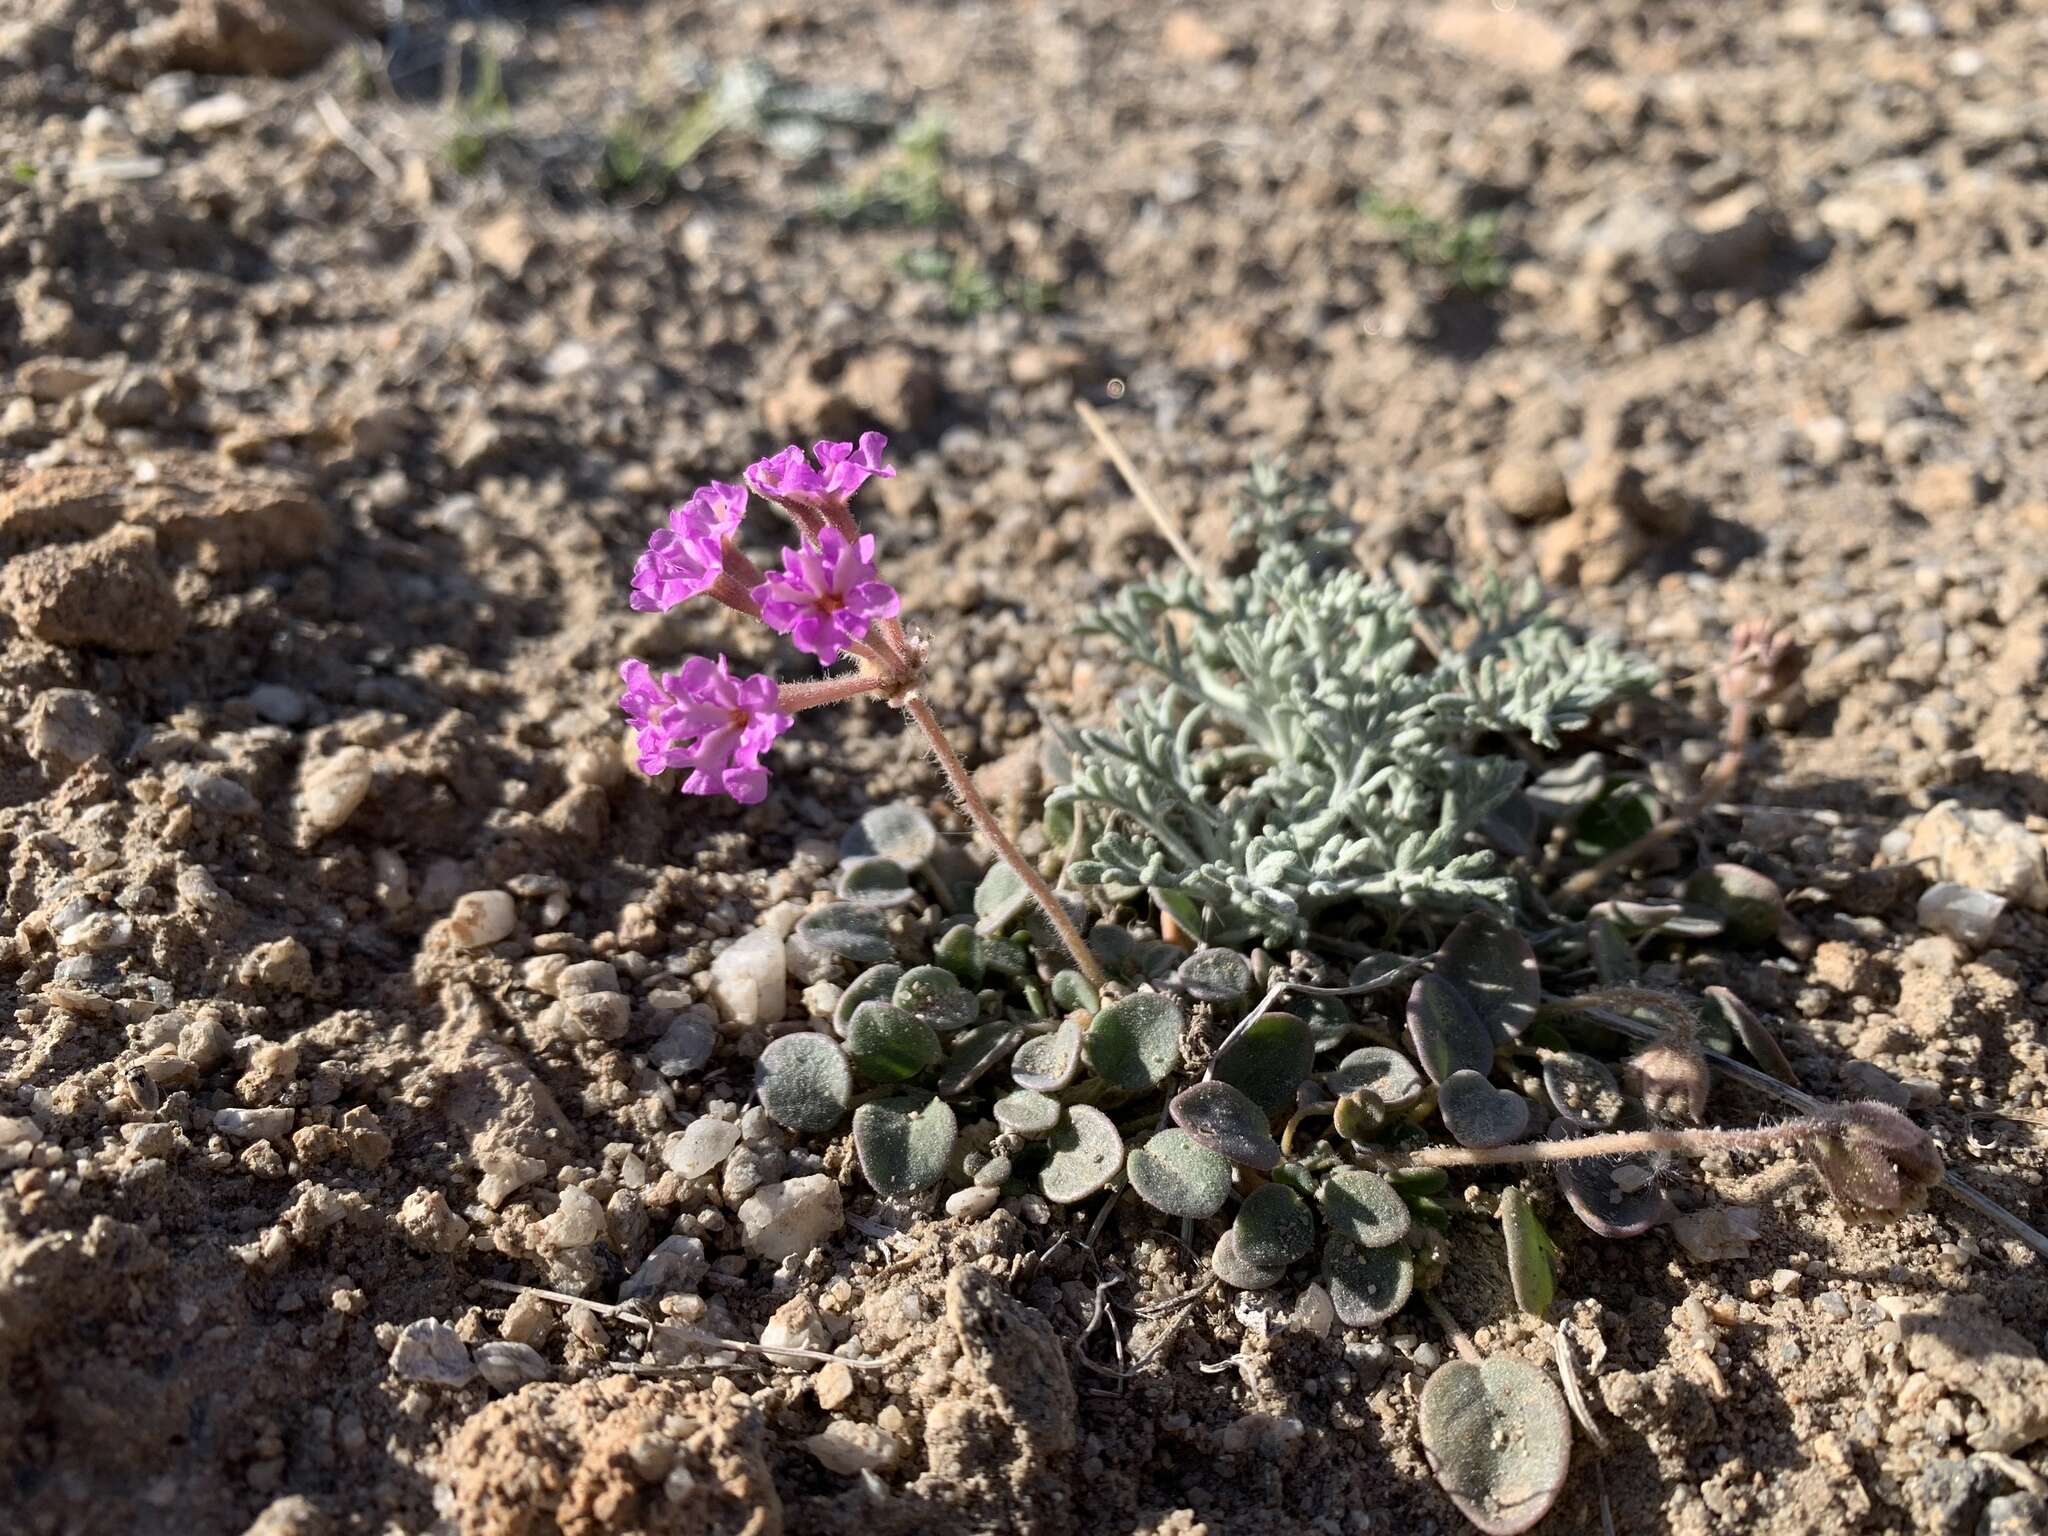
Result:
{"points": [[1268, 1061], [974, 1052], [1025, 1113], [851, 932], [1222, 1119], [1615, 1196], [876, 984], [1529, 1251], [1274, 1227], [1495, 969], [1086, 1154], [900, 833], [1174, 1173], [904, 1143], [1614, 958], [1238, 1272], [1620, 816], [1367, 1285], [804, 1082], [1363, 1208], [874, 882], [1046, 937], [1499, 1439], [1049, 1062], [1582, 1090], [959, 951], [1479, 1114], [999, 900], [1748, 902], [1112, 946], [1134, 1043], [1005, 957], [935, 995], [1071, 992], [1329, 1022], [887, 1045], [1447, 1035], [1390, 1076]]}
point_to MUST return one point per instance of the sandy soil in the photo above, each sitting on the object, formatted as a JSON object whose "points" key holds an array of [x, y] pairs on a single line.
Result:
{"points": [[347, 362]]}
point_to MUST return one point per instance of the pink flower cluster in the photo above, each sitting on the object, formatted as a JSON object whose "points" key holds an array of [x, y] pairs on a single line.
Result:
{"points": [[826, 597]]}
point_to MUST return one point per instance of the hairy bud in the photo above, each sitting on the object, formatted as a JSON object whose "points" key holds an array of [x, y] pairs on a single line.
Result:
{"points": [[1670, 1076], [1360, 1115], [1873, 1159]]}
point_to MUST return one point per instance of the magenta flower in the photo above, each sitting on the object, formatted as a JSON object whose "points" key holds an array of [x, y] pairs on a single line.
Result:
{"points": [[826, 594], [706, 720], [843, 468], [684, 558]]}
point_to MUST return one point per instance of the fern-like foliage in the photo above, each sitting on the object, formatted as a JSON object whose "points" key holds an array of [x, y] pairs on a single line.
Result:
{"points": [[1313, 746]]}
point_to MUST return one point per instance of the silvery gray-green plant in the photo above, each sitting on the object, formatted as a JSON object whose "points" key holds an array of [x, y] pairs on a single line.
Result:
{"points": [[1313, 745]]}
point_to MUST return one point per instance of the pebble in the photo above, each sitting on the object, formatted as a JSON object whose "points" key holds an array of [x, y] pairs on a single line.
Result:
{"points": [[687, 1044], [847, 1448], [973, 1202], [210, 114], [833, 1386], [675, 1265], [750, 981], [528, 1319], [430, 1352], [254, 1124], [786, 1220], [703, 1145], [283, 706], [797, 1324], [1985, 849], [481, 918], [578, 1221], [332, 789], [586, 977], [68, 726], [1967, 916], [510, 1366], [1315, 1314]]}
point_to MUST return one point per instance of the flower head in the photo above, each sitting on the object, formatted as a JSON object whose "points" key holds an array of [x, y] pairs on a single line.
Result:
{"points": [[826, 594], [706, 720], [684, 558], [843, 468]]}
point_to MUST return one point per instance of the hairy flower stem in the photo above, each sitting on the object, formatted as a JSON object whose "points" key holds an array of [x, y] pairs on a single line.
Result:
{"points": [[726, 589], [1688, 1143], [986, 823], [792, 698]]}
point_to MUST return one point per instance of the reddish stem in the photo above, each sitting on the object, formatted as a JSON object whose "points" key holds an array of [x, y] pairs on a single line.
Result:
{"points": [[794, 697]]}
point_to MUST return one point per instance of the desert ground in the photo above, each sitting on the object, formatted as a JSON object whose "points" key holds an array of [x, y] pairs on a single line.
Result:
{"points": [[347, 355]]}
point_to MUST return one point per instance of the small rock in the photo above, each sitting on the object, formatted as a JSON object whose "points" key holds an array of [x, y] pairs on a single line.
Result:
{"points": [[1591, 547], [429, 1225], [586, 977], [704, 1144], [675, 1265], [780, 1221], [211, 114], [292, 1515], [506, 243], [973, 1202], [108, 592], [528, 1319], [278, 704], [833, 1386], [68, 726], [282, 965], [332, 789], [2015, 1514], [481, 918], [796, 1324], [1509, 39], [1957, 1341], [433, 1354], [1529, 487], [1945, 490], [1723, 244], [578, 1221], [894, 385], [750, 981], [1984, 849], [687, 1044], [1315, 1314], [848, 1448], [510, 1366], [1965, 915], [254, 1124], [1187, 36]]}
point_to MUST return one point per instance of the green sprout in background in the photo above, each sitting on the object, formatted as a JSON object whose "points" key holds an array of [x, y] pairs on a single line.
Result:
{"points": [[1464, 254]]}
